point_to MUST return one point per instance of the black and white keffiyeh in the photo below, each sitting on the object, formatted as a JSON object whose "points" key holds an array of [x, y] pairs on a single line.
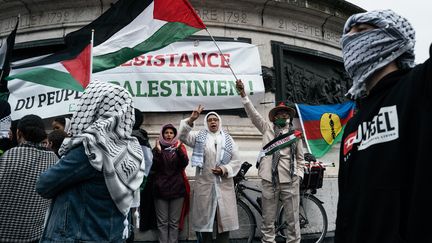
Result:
{"points": [[22, 210], [366, 52], [226, 141], [103, 123]]}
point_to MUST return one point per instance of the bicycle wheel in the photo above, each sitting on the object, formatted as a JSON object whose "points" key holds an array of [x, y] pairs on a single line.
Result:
{"points": [[313, 219], [246, 231]]}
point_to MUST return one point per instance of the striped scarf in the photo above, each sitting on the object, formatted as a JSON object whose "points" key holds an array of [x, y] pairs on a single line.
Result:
{"points": [[366, 52], [276, 151], [103, 124]]}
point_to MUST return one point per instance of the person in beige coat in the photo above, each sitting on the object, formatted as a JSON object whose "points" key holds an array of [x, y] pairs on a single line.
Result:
{"points": [[215, 156], [280, 166]]}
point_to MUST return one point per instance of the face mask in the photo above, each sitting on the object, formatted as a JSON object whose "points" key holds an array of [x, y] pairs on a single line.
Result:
{"points": [[366, 52], [280, 122]]}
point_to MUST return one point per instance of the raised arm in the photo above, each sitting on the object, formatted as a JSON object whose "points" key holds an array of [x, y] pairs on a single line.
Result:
{"points": [[186, 126], [195, 114], [256, 118]]}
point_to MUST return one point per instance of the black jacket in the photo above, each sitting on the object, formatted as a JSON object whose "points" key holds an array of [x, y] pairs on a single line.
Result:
{"points": [[168, 169], [385, 162]]}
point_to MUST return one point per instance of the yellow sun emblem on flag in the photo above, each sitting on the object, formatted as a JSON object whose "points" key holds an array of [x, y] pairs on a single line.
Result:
{"points": [[330, 127]]}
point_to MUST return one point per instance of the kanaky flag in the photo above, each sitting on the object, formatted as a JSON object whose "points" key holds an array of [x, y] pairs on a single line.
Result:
{"points": [[126, 30], [323, 125], [6, 48]]}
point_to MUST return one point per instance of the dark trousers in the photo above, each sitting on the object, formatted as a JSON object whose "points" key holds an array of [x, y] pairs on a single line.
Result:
{"points": [[207, 237]]}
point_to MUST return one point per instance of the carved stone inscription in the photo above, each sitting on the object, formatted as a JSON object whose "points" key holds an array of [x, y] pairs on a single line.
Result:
{"points": [[302, 28], [278, 24], [49, 18], [227, 16]]}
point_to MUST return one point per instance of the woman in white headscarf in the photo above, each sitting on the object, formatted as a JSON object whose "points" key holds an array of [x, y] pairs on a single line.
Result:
{"points": [[216, 158], [101, 167]]}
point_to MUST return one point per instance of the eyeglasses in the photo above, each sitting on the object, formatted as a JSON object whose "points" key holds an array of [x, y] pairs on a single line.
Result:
{"points": [[212, 120]]}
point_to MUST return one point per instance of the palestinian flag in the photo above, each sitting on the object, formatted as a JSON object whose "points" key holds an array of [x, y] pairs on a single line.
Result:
{"points": [[71, 74], [323, 125], [126, 30], [6, 48]]}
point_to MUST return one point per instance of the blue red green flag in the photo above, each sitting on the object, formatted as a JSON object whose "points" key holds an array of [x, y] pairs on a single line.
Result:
{"points": [[323, 125]]}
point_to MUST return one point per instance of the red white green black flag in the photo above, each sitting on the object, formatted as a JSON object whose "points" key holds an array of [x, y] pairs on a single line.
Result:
{"points": [[126, 30]]}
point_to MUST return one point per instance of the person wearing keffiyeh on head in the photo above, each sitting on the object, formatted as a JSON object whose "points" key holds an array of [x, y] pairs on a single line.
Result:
{"points": [[384, 167], [215, 156], [101, 167]]}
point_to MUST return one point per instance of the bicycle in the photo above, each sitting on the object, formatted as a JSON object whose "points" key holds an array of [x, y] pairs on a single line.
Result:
{"points": [[313, 217]]}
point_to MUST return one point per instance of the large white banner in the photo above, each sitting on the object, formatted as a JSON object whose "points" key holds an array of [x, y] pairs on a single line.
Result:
{"points": [[175, 78]]}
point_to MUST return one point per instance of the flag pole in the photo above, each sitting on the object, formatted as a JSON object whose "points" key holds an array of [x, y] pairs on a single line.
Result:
{"points": [[304, 131], [91, 55], [220, 51]]}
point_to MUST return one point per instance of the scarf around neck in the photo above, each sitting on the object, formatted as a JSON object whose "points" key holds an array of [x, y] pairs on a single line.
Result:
{"points": [[290, 140], [366, 52], [103, 124], [226, 151], [164, 142]]}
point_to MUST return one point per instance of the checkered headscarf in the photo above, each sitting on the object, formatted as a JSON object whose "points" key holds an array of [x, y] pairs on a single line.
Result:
{"points": [[366, 52], [103, 125]]}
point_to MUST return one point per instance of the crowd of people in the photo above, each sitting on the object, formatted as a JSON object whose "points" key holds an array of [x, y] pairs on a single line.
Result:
{"points": [[91, 178], [94, 173]]}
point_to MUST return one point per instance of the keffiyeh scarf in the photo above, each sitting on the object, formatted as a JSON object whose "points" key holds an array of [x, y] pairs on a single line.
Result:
{"points": [[22, 210], [366, 52], [103, 124], [226, 150]]}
